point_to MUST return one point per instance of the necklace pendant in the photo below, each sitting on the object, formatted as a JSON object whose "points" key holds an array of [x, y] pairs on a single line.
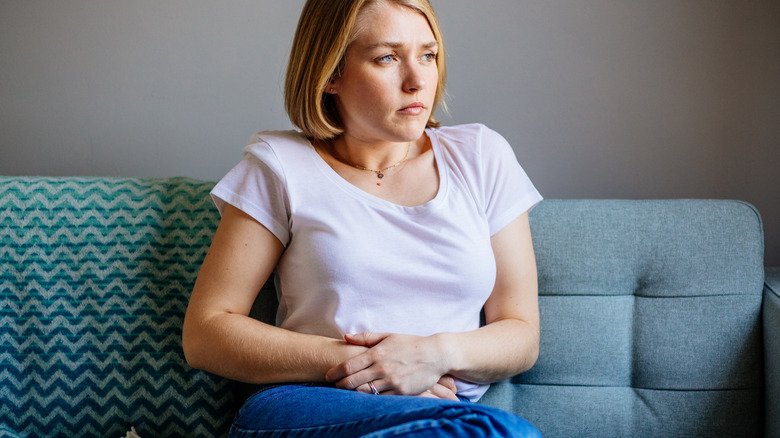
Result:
{"points": [[380, 175]]}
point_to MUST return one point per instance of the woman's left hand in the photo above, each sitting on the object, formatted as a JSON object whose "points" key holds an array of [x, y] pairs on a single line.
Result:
{"points": [[395, 363]]}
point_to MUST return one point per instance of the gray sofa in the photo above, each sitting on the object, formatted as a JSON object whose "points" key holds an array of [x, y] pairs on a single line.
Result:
{"points": [[657, 316]]}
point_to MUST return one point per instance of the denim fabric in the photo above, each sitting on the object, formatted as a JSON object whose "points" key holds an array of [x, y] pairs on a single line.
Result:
{"points": [[311, 410]]}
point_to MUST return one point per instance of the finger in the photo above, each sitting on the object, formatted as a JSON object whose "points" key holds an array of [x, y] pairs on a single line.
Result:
{"points": [[349, 367], [365, 339], [448, 382], [366, 388], [428, 394], [356, 380], [440, 391]]}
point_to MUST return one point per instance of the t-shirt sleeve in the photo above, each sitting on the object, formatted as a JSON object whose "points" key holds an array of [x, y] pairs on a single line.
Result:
{"points": [[256, 185], [507, 190]]}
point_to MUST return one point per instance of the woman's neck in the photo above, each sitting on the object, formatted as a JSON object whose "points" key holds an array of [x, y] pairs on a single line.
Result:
{"points": [[374, 155]]}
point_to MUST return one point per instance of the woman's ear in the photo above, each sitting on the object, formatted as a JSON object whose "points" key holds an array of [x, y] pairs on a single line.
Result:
{"points": [[331, 88]]}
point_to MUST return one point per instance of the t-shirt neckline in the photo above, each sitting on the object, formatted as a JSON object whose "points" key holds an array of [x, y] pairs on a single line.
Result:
{"points": [[359, 193]]}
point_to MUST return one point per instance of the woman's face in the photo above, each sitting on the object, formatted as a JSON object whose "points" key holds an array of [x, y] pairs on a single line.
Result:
{"points": [[388, 85]]}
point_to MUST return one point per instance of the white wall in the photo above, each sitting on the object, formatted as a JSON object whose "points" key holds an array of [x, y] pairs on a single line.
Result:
{"points": [[600, 98]]}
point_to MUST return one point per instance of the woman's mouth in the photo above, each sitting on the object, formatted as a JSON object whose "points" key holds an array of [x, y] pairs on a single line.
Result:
{"points": [[414, 109]]}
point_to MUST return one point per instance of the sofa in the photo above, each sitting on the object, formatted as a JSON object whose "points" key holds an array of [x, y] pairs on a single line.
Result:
{"points": [[658, 318]]}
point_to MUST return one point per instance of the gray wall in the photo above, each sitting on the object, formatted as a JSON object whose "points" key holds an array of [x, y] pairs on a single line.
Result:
{"points": [[601, 99]]}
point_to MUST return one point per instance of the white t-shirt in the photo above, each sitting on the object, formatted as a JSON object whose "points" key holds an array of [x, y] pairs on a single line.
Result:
{"points": [[354, 262]]}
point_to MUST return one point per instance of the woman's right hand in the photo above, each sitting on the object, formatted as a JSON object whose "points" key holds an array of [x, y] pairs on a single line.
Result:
{"points": [[443, 389]]}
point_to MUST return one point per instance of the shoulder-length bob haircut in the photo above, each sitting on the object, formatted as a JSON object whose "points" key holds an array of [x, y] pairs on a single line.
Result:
{"points": [[325, 31]]}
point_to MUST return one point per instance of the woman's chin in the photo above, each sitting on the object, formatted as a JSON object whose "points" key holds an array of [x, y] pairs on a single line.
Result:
{"points": [[403, 132], [411, 132]]}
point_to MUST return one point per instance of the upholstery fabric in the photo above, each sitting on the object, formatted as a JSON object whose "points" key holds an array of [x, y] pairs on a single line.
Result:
{"points": [[651, 320], [95, 274], [7, 432], [771, 311]]}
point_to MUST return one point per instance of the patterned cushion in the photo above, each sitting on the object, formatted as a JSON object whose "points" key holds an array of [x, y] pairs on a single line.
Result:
{"points": [[7, 432], [95, 274]]}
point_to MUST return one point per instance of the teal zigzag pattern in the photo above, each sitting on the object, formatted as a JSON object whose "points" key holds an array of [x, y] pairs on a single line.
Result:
{"points": [[95, 274]]}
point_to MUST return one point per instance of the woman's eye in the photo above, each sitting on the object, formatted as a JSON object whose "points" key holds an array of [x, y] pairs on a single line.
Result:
{"points": [[385, 59], [429, 57]]}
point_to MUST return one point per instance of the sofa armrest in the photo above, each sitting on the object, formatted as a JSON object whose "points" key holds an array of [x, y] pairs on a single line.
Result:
{"points": [[771, 309]]}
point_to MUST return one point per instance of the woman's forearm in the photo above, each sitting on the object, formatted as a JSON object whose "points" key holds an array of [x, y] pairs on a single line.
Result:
{"points": [[491, 353], [240, 348]]}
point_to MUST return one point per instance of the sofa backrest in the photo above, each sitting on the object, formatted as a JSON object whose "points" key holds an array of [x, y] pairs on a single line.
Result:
{"points": [[95, 274], [650, 314], [650, 320]]}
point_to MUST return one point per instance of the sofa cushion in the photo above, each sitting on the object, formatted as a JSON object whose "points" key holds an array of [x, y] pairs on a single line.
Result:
{"points": [[95, 274], [650, 320]]}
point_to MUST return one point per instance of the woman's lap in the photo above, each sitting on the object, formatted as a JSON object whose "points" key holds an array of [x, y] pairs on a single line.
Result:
{"points": [[318, 410]]}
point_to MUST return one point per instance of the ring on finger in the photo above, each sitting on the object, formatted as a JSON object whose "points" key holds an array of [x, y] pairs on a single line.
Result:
{"points": [[373, 388]]}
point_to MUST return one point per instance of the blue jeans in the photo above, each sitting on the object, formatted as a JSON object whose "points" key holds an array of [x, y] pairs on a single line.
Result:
{"points": [[316, 410]]}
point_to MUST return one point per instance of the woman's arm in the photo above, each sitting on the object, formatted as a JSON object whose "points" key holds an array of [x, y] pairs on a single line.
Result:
{"points": [[507, 345], [219, 337]]}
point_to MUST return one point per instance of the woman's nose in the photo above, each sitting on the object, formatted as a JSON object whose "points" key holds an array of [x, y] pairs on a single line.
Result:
{"points": [[414, 78]]}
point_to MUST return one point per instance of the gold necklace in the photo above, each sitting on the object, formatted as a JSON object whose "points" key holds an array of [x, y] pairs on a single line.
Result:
{"points": [[380, 173]]}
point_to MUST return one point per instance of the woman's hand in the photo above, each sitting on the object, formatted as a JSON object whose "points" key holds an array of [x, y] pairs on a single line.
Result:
{"points": [[443, 389], [395, 364]]}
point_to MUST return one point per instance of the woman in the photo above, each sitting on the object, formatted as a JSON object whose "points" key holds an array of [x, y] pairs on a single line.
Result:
{"points": [[387, 233]]}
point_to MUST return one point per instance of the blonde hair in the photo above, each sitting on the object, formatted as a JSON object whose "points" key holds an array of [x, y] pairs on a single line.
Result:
{"points": [[325, 30]]}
